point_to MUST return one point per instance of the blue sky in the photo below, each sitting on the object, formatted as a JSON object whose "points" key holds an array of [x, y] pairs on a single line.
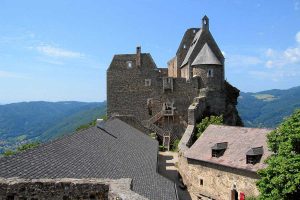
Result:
{"points": [[59, 50]]}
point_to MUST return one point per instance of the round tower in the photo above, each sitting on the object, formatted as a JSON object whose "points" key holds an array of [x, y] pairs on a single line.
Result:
{"points": [[207, 66]]}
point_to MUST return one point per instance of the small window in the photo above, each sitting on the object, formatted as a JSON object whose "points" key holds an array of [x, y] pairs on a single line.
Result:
{"points": [[129, 64], [210, 73], [201, 182], [147, 82], [184, 46], [194, 31]]}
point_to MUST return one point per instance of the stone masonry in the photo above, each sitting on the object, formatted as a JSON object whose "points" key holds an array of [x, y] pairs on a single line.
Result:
{"points": [[67, 189], [160, 98]]}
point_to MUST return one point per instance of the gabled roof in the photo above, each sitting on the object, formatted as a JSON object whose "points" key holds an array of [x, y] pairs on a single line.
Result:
{"points": [[120, 61], [206, 57], [220, 146], [255, 151], [202, 37], [191, 49], [239, 140], [116, 150]]}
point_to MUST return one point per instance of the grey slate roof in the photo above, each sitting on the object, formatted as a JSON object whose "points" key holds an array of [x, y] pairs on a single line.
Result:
{"points": [[191, 49], [206, 57], [239, 141], [115, 151]]}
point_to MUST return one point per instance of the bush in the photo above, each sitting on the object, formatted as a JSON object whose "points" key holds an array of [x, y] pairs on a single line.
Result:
{"points": [[218, 120], [174, 146]]}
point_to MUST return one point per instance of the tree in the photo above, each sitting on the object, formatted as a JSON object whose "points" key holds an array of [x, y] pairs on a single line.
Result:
{"points": [[281, 178], [206, 122]]}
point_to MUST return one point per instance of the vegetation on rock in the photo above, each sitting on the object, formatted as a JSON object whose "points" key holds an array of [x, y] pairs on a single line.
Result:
{"points": [[21, 148], [217, 120]]}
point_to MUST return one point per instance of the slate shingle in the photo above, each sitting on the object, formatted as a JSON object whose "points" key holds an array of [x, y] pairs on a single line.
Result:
{"points": [[93, 153]]}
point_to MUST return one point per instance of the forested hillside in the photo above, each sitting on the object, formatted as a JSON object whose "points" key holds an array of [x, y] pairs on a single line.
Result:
{"points": [[268, 108], [42, 121]]}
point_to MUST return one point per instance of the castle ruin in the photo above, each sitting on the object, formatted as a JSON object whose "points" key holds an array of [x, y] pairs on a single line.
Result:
{"points": [[167, 100]]}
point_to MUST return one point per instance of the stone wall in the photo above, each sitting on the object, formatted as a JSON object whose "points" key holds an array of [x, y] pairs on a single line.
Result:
{"points": [[173, 70], [128, 93], [217, 180], [67, 189], [216, 81]]}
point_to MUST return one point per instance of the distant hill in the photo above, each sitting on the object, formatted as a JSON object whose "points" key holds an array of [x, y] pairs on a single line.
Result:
{"points": [[268, 108], [43, 121]]}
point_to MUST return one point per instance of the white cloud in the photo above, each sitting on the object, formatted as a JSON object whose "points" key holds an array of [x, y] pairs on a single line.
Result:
{"points": [[285, 58], [298, 37], [243, 60], [270, 52], [275, 75], [58, 52], [6, 74]]}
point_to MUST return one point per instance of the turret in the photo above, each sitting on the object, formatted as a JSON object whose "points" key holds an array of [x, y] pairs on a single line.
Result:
{"points": [[205, 23], [209, 68]]}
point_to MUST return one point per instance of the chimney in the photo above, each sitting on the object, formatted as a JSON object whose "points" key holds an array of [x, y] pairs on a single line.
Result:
{"points": [[138, 56], [205, 23]]}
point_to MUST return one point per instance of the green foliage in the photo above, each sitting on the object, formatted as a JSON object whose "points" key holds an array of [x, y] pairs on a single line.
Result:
{"points": [[91, 124], [21, 148], [27, 146], [86, 126], [174, 146], [9, 152], [251, 198], [281, 179], [104, 117], [206, 122]]}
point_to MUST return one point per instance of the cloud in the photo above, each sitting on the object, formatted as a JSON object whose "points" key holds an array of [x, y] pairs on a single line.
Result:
{"points": [[6, 74], [275, 75], [58, 52], [243, 60], [285, 58], [298, 37]]}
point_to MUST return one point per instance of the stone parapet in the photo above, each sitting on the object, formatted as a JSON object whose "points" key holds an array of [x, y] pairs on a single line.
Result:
{"points": [[67, 188]]}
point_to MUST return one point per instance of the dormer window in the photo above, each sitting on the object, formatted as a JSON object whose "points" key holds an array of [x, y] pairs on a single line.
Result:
{"points": [[210, 73], [218, 149], [254, 155], [129, 64]]}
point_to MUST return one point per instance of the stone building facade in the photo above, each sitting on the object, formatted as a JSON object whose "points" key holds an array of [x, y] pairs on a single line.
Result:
{"points": [[160, 97], [231, 174]]}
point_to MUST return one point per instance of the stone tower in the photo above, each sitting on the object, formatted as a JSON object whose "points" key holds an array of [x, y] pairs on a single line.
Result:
{"points": [[168, 99]]}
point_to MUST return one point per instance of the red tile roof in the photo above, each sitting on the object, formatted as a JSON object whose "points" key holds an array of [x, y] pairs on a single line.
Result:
{"points": [[240, 141]]}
